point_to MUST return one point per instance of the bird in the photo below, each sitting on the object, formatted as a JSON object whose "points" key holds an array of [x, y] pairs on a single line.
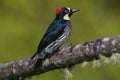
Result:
{"points": [[56, 34]]}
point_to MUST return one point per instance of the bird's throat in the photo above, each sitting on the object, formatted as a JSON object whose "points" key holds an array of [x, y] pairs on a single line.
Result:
{"points": [[66, 17]]}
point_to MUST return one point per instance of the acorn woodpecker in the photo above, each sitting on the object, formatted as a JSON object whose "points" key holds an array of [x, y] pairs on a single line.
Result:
{"points": [[57, 33]]}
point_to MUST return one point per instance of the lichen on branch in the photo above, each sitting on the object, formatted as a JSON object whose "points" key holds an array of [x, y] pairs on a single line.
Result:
{"points": [[66, 57]]}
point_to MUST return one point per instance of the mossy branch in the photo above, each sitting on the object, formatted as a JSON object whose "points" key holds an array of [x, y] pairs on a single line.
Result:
{"points": [[66, 57]]}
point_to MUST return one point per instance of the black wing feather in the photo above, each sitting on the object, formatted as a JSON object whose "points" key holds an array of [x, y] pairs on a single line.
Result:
{"points": [[54, 31]]}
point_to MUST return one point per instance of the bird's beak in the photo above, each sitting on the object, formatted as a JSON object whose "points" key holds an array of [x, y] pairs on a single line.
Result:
{"points": [[73, 11]]}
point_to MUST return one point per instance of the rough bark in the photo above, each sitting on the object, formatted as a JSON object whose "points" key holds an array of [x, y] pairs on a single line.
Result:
{"points": [[66, 57]]}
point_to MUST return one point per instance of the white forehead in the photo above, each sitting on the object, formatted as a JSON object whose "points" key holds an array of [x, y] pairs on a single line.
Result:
{"points": [[68, 8]]}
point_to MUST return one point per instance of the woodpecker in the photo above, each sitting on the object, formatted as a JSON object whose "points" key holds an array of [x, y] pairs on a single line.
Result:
{"points": [[56, 34]]}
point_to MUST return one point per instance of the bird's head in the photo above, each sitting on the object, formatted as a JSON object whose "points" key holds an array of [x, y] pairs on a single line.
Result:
{"points": [[65, 12]]}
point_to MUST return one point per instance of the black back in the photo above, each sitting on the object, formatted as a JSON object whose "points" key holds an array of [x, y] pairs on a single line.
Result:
{"points": [[55, 30]]}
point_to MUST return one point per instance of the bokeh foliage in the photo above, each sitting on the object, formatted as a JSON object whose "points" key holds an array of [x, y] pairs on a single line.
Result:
{"points": [[23, 22]]}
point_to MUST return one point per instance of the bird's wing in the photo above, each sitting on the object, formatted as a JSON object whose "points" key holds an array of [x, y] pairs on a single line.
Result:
{"points": [[53, 32]]}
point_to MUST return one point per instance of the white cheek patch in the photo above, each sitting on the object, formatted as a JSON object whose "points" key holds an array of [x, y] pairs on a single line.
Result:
{"points": [[66, 17]]}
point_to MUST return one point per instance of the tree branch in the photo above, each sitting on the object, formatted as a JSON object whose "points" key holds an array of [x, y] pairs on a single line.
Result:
{"points": [[18, 70]]}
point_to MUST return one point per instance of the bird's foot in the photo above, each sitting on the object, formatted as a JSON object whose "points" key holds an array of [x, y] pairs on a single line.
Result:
{"points": [[71, 46]]}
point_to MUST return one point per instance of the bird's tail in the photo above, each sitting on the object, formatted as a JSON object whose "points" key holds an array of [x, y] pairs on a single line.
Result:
{"points": [[41, 57], [38, 63], [34, 55]]}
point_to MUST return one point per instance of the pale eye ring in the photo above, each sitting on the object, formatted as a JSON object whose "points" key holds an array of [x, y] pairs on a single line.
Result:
{"points": [[66, 11]]}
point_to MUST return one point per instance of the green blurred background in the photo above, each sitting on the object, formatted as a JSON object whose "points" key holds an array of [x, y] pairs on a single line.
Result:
{"points": [[23, 22]]}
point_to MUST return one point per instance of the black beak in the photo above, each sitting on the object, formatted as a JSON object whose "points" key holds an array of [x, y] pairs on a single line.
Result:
{"points": [[73, 11]]}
